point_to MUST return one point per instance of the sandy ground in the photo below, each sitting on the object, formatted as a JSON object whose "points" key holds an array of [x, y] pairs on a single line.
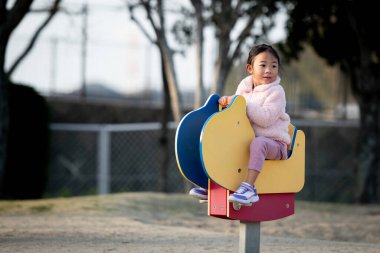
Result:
{"points": [[153, 222]]}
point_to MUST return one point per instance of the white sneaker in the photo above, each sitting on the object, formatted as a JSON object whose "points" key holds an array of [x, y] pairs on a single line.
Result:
{"points": [[199, 193], [245, 194]]}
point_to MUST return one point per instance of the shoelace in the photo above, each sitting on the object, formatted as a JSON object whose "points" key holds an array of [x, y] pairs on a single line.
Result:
{"points": [[242, 189]]}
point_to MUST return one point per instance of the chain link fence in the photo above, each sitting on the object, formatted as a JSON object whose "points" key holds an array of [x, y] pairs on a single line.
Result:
{"points": [[97, 159], [90, 159]]}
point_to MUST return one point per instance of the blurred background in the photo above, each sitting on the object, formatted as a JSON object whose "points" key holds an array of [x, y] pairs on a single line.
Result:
{"points": [[93, 92]]}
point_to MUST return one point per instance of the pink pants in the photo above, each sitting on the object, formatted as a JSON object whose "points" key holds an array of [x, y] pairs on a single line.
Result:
{"points": [[262, 148]]}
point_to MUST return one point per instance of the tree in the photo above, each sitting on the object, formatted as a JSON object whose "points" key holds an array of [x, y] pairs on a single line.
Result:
{"points": [[10, 18], [344, 33], [51, 13], [237, 23], [154, 11], [199, 93], [156, 17]]}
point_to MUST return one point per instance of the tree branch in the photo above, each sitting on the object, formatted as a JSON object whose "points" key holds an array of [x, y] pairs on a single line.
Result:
{"points": [[16, 14], [156, 27], [138, 23], [53, 11], [3, 11]]}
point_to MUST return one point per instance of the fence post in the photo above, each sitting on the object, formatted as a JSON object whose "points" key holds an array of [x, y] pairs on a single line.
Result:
{"points": [[103, 179]]}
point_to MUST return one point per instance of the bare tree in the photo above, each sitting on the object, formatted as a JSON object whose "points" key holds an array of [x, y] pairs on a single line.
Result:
{"points": [[51, 12], [10, 18], [236, 22], [154, 11], [155, 14], [199, 93]]}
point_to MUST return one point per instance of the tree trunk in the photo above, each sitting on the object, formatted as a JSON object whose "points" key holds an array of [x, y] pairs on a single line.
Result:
{"points": [[4, 125], [368, 150], [365, 82], [170, 85], [199, 93], [9, 20], [4, 106], [158, 25], [163, 180], [221, 73], [171, 81], [221, 78], [221, 70]]}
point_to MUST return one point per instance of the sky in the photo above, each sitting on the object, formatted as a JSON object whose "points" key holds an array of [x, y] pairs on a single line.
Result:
{"points": [[118, 54]]}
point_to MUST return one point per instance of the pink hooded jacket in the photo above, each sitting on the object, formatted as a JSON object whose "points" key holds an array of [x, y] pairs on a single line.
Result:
{"points": [[266, 109]]}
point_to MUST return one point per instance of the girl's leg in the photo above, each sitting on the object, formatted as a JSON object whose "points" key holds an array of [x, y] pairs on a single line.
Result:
{"points": [[261, 148], [252, 176]]}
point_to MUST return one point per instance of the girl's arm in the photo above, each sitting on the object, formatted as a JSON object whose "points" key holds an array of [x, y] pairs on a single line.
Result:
{"points": [[244, 86]]}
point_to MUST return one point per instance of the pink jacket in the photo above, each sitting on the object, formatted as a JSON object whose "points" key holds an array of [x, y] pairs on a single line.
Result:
{"points": [[266, 109]]}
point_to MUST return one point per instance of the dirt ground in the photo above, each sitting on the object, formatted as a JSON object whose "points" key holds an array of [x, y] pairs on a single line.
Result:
{"points": [[155, 222]]}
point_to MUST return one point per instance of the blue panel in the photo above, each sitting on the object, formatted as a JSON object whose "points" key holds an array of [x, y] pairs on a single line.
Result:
{"points": [[187, 141], [290, 151]]}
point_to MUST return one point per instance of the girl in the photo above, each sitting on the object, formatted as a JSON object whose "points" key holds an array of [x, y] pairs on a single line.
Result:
{"points": [[266, 104]]}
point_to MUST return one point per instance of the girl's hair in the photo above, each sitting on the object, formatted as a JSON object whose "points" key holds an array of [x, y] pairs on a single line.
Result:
{"points": [[262, 48]]}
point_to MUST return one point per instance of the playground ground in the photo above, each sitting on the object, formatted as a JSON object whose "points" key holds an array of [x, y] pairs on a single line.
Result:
{"points": [[155, 222]]}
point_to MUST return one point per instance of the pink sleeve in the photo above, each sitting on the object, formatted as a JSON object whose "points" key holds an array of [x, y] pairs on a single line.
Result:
{"points": [[244, 86]]}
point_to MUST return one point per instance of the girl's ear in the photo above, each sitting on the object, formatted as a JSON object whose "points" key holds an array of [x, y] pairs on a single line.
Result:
{"points": [[249, 68]]}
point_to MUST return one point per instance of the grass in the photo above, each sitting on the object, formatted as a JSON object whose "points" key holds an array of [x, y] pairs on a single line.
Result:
{"points": [[342, 222], [131, 203]]}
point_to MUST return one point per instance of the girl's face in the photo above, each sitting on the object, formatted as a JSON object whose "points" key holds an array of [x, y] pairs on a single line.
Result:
{"points": [[264, 68]]}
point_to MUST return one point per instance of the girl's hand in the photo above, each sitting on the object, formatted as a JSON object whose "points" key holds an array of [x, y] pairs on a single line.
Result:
{"points": [[224, 101]]}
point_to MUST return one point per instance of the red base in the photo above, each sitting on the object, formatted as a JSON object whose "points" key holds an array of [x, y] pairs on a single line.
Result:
{"points": [[269, 207]]}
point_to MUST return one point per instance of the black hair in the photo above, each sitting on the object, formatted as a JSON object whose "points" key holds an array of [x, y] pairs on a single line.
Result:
{"points": [[262, 48]]}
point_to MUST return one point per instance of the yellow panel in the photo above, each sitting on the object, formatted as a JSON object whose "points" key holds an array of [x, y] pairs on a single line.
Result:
{"points": [[225, 144], [284, 176]]}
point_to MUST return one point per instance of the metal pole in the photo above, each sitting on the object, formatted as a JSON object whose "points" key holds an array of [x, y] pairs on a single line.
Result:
{"points": [[249, 237], [83, 92], [53, 69], [103, 184]]}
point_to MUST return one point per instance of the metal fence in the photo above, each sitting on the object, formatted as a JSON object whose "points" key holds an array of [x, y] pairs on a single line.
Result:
{"points": [[90, 159], [98, 159]]}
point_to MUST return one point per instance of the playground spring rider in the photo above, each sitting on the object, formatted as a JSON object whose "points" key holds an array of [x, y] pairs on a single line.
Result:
{"points": [[212, 151]]}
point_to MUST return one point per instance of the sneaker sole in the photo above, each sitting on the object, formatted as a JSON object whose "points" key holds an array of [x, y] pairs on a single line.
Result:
{"points": [[198, 196], [248, 202]]}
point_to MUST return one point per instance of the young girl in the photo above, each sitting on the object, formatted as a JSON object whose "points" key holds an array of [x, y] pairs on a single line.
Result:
{"points": [[266, 104]]}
